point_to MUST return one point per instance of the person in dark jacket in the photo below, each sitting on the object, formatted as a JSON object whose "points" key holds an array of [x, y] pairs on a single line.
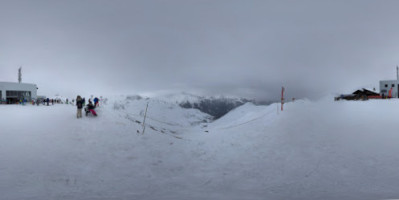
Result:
{"points": [[96, 102], [79, 105]]}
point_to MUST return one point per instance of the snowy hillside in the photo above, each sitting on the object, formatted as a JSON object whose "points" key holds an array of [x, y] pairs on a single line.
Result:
{"points": [[312, 150], [162, 116], [216, 106]]}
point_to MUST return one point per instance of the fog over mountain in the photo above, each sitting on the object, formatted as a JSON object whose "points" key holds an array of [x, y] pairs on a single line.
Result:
{"points": [[246, 49]]}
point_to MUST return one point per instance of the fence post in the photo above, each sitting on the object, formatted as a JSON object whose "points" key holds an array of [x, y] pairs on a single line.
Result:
{"points": [[145, 115]]}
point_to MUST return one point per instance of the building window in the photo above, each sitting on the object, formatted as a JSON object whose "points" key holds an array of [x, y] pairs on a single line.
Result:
{"points": [[386, 85], [393, 85], [19, 95]]}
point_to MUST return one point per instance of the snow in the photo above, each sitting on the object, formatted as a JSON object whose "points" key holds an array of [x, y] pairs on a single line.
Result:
{"points": [[312, 150], [244, 114]]}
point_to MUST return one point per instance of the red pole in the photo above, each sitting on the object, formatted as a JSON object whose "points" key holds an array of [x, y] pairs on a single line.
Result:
{"points": [[282, 98]]}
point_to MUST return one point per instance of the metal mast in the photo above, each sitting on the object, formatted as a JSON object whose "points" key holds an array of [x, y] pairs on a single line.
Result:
{"points": [[20, 74]]}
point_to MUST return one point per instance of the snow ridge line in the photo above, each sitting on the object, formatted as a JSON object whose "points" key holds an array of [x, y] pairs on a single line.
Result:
{"points": [[247, 122]]}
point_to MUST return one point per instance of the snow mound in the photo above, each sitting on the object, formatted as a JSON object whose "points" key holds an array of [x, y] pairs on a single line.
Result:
{"points": [[247, 113]]}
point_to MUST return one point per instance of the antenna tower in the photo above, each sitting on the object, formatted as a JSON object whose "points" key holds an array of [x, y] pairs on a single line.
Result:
{"points": [[20, 75]]}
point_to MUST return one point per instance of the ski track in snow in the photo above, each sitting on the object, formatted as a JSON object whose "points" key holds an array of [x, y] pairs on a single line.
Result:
{"points": [[312, 150]]}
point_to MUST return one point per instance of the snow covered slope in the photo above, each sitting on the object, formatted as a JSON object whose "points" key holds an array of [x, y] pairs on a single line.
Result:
{"points": [[246, 113], [216, 106], [162, 116], [312, 150]]}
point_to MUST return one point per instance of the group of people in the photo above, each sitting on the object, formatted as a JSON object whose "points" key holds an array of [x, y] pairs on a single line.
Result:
{"points": [[46, 101], [80, 103]]}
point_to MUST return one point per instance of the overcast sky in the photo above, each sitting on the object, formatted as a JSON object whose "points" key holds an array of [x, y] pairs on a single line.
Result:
{"points": [[216, 47]]}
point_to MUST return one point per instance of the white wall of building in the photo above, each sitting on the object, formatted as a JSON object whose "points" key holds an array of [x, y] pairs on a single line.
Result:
{"points": [[385, 86], [7, 86]]}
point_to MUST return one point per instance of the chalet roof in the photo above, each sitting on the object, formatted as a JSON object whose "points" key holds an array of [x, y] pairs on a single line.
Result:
{"points": [[366, 92]]}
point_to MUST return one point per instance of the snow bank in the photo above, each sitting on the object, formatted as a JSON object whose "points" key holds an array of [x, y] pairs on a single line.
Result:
{"points": [[247, 113]]}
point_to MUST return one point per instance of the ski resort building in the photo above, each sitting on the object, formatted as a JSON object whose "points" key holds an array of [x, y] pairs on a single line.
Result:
{"points": [[11, 92], [361, 94], [389, 88]]}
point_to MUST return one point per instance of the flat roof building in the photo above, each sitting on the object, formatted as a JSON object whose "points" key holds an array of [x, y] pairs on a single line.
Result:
{"points": [[389, 88], [11, 92]]}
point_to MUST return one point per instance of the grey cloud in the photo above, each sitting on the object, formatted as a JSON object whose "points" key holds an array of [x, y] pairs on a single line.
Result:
{"points": [[243, 48]]}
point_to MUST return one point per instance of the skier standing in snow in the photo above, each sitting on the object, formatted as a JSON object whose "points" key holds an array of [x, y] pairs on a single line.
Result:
{"points": [[79, 105], [96, 102]]}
